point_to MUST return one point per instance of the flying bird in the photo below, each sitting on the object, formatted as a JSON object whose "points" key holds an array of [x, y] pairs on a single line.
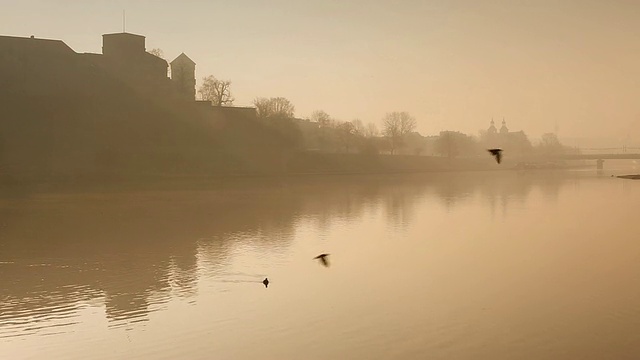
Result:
{"points": [[497, 153], [265, 282], [323, 259]]}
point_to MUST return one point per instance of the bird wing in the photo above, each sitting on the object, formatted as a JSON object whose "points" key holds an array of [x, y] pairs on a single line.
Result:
{"points": [[499, 156]]}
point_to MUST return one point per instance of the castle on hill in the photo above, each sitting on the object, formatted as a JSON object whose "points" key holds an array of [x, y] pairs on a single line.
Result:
{"points": [[124, 58], [71, 115]]}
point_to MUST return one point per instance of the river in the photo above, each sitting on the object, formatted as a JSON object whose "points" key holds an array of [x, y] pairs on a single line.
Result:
{"points": [[495, 265]]}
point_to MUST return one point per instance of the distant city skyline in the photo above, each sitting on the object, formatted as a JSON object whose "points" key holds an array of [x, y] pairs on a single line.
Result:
{"points": [[453, 65]]}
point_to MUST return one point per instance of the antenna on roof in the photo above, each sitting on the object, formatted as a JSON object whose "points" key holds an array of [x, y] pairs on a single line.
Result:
{"points": [[124, 21]]}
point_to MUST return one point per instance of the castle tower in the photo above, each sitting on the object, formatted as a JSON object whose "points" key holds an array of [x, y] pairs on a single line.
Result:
{"points": [[123, 45], [183, 75], [125, 55]]}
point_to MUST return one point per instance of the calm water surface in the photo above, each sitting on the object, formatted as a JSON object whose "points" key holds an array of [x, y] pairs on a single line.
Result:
{"points": [[456, 266]]}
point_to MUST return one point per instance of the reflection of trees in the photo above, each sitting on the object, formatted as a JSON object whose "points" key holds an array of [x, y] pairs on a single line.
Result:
{"points": [[334, 198], [184, 269], [349, 197], [103, 244], [451, 188], [124, 248], [135, 250], [400, 200], [497, 189]]}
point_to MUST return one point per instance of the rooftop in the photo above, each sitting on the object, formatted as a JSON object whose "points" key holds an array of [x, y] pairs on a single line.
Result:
{"points": [[183, 57], [123, 34], [57, 45]]}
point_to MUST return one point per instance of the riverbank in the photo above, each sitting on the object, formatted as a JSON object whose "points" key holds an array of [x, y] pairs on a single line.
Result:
{"points": [[292, 164], [298, 166]]}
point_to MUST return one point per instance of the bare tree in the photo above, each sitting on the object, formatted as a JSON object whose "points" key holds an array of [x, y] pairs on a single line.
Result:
{"points": [[550, 140], [322, 118], [371, 130], [396, 126], [274, 107], [157, 52], [447, 144], [358, 127], [277, 114], [549, 144], [325, 123], [454, 143], [216, 91], [346, 132]]}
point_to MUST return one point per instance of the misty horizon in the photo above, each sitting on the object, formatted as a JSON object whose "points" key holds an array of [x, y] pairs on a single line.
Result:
{"points": [[544, 67], [439, 179]]}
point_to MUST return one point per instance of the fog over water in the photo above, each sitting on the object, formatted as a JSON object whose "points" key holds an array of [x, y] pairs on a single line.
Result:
{"points": [[319, 179], [467, 265]]}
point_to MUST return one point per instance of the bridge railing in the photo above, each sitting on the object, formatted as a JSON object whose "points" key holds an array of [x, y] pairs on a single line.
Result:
{"points": [[610, 150]]}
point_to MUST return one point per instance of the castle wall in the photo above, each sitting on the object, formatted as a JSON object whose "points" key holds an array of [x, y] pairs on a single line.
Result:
{"points": [[226, 112]]}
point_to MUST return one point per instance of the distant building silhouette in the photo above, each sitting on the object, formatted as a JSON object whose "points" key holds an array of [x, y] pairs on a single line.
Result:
{"points": [[183, 75], [503, 129], [512, 141], [492, 129]]}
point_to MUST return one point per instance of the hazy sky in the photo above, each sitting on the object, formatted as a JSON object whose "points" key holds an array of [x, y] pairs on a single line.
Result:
{"points": [[451, 64]]}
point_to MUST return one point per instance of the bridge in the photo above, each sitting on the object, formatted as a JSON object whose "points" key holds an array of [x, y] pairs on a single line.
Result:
{"points": [[598, 154], [595, 156], [610, 150]]}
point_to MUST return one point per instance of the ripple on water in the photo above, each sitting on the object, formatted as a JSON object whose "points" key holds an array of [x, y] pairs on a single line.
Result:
{"points": [[35, 317], [46, 296]]}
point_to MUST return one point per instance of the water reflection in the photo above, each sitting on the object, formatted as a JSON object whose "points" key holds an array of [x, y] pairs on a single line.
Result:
{"points": [[129, 252]]}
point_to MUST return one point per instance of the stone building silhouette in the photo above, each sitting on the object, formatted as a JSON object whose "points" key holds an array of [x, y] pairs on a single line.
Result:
{"points": [[183, 75], [127, 53], [124, 57], [514, 141], [66, 114]]}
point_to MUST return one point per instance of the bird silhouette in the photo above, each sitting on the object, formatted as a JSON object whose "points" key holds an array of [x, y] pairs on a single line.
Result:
{"points": [[497, 153], [265, 282], [323, 259]]}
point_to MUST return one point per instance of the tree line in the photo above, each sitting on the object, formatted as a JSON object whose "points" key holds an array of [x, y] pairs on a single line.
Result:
{"points": [[322, 132]]}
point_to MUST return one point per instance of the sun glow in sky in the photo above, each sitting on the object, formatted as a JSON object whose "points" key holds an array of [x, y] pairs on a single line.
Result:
{"points": [[452, 64]]}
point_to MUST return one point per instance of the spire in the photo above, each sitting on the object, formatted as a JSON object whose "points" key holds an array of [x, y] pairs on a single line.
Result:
{"points": [[492, 128], [504, 129]]}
